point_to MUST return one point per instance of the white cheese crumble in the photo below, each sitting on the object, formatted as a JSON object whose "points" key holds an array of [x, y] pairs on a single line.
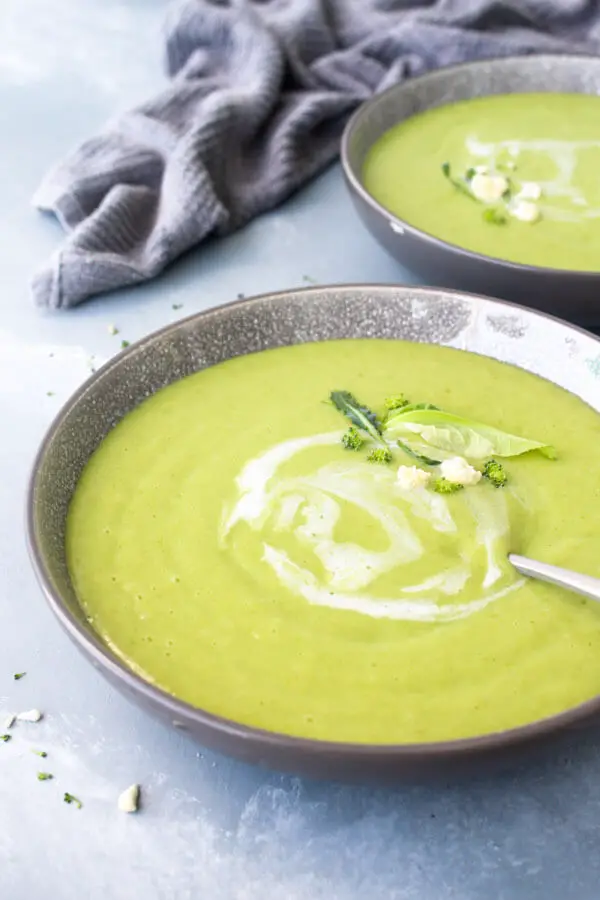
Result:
{"points": [[129, 800], [488, 188], [525, 211], [9, 722], [32, 715], [530, 190], [458, 471], [411, 477]]}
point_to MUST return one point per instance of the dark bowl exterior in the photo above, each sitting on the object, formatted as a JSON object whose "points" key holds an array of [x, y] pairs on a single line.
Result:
{"points": [[539, 343], [569, 294]]}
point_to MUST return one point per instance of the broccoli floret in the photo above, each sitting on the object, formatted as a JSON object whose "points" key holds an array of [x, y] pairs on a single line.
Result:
{"points": [[395, 402], [443, 486], [352, 440], [495, 473], [379, 455], [494, 216]]}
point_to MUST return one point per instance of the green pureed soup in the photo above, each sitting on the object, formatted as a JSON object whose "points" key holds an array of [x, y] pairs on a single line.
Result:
{"points": [[226, 544], [512, 176]]}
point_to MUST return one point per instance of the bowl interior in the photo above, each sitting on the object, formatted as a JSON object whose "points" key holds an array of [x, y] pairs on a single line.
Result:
{"points": [[541, 344], [545, 73]]}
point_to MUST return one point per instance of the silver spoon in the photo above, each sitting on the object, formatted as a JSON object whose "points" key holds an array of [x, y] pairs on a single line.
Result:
{"points": [[565, 578]]}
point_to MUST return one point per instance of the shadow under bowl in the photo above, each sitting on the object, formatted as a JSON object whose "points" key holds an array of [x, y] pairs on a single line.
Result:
{"points": [[570, 294], [538, 343]]}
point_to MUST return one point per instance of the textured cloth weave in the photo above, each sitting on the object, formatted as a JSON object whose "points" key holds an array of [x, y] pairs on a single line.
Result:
{"points": [[258, 96]]}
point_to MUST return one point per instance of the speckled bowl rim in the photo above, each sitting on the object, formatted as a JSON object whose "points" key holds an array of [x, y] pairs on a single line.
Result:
{"points": [[363, 753], [355, 182]]}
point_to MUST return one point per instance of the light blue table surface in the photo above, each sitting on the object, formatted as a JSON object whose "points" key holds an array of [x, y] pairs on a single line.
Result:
{"points": [[211, 829]]}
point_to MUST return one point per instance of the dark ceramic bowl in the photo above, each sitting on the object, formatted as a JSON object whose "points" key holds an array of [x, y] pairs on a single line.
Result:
{"points": [[535, 342], [570, 294]]}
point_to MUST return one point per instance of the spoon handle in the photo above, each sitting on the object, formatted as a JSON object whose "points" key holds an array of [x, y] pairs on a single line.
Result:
{"points": [[572, 581]]}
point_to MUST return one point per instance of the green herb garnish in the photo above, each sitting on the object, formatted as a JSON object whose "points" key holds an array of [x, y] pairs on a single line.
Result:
{"points": [[494, 216], [458, 183], [426, 460], [5, 737], [359, 416], [41, 753], [412, 407], [18, 675], [124, 344], [69, 798], [443, 486], [45, 776], [176, 305], [495, 473], [379, 455], [397, 401], [351, 439], [455, 434]]}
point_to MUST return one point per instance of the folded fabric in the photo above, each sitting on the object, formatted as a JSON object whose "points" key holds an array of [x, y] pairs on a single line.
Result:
{"points": [[258, 96]]}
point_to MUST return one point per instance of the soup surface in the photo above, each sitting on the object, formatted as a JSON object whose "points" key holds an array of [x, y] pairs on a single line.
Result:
{"points": [[230, 549], [511, 176]]}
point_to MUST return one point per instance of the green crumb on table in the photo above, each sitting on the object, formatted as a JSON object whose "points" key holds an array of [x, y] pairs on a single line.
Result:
{"points": [[309, 279], [45, 776], [352, 440], [124, 344], [379, 455], [397, 401], [18, 675], [176, 305], [49, 393], [41, 753], [5, 737], [443, 486], [495, 473], [112, 329], [69, 798]]}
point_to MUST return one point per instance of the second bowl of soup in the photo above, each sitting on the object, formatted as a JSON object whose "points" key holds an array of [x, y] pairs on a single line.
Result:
{"points": [[483, 176]]}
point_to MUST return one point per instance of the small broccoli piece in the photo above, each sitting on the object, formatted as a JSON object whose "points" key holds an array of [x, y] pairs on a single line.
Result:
{"points": [[494, 216], [495, 473], [352, 439], [443, 486], [379, 455], [395, 402]]}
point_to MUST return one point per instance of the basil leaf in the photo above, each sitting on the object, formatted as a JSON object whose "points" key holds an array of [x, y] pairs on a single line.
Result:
{"points": [[460, 436]]}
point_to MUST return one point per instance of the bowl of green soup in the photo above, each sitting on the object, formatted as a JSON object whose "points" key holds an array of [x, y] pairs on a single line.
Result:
{"points": [[282, 526], [483, 177]]}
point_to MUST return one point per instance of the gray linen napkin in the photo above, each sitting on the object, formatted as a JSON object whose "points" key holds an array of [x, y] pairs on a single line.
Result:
{"points": [[259, 93]]}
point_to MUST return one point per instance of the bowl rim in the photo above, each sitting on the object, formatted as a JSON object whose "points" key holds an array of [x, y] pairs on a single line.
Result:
{"points": [[90, 643], [356, 185]]}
